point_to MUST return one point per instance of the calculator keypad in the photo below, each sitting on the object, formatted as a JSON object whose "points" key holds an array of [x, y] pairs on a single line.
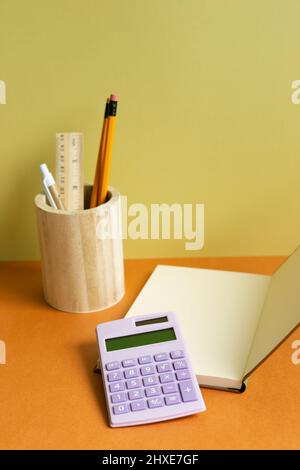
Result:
{"points": [[161, 357], [118, 397], [138, 405], [129, 363], [156, 402], [116, 387], [114, 376], [149, 382], [136, 394], [173, 399], [177, 354], [145, 360], [170, 388], [133, 383], [152, 391], [180, 365], [187, 391], [164, 367], [120, 409], [165, 378], [131, 373], [147, 370], [113, 365], [183, 375]]}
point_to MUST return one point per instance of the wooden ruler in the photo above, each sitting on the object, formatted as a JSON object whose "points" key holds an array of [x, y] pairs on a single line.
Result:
{"points": [[69, 169]]}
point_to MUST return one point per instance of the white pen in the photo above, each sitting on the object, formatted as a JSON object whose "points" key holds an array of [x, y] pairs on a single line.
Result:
{"points": [[50, 188]]}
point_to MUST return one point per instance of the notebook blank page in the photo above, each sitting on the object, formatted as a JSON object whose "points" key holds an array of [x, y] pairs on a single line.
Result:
{"points": [[218, 312], [281, 311]]}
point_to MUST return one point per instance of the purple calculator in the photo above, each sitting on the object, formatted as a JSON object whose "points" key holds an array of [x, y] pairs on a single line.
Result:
{"points": [[147, 372]]}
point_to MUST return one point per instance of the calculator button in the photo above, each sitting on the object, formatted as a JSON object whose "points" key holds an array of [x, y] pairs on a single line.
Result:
{"points": [[147, 370], [165, 378], [118, 397], [170, 388], [180, 365], [114, 376], [117, 387], [145, 360], [151, 380], [155, 402], [113, 365], [152, 391], [187, 391], [133, 383], [183, 375], [136, 394], [138, 405], [121, 409], [131, 373], [172, 399], [177, 354], [129, 363], [165, 367], [161, 357]]}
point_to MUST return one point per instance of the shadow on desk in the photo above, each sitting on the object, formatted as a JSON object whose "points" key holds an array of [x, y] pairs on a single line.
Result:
{"points": [[88, 355]]}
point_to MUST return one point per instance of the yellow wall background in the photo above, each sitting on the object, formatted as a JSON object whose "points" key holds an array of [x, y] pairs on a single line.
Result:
{"points": [[205, 112]]}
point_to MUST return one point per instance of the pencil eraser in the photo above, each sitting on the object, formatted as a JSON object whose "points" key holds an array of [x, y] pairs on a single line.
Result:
{"points": [[113, 98]]}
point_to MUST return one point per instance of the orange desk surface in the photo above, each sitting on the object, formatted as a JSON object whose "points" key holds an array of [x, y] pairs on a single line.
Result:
{"points": [[51, 399]]}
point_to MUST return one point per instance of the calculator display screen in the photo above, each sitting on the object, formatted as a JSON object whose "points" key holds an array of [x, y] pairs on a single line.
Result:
{"points": [[140, 339]]}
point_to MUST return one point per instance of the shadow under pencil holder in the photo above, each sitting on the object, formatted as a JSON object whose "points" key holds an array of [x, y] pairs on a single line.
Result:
{"points": [[81, 254]]}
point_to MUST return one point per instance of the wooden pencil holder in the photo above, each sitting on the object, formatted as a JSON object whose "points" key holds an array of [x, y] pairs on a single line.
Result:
{"points": [[81, 254]]}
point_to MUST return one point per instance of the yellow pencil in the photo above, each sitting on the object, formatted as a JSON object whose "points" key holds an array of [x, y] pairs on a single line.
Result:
{"points": [[95, 190], [105, 170]]}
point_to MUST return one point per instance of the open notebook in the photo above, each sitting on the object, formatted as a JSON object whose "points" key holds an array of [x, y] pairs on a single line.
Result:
{"points": [[231, 321]]}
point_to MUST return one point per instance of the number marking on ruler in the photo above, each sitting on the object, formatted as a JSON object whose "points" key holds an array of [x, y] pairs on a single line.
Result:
{"points": [[69, 169]]}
